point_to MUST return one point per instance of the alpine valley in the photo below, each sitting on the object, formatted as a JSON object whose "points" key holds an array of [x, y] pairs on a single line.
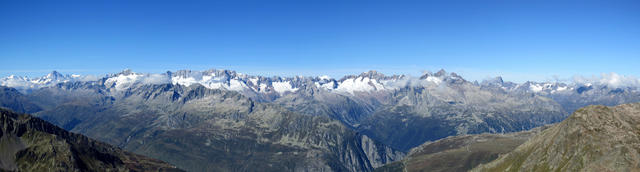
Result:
{"points": [[222, 120]]}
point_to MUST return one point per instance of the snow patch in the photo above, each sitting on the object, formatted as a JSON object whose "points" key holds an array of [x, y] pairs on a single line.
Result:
{"points": [[562, 88], [236, 85], [122, 81], [186, 81], [535, 87], [325, 77], [254, 81], [435, 80], [360, 84], [328, 85], [282, 87], [612, 80], [263, 87]]}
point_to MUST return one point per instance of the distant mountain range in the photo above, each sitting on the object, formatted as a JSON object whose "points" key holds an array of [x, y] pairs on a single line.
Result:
{"points": [[270, 88], [222, 119]]}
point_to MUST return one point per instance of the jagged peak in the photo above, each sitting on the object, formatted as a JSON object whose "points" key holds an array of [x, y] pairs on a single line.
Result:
{"points": [[499, 79], [208, 72], [496, 80], [440, 73], [126, 71], [372, 74], [54, 74], [453, 74]]}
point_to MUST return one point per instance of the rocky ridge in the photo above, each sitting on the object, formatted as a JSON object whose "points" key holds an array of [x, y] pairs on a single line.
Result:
{"points": [[31, 144], [594, 138]]}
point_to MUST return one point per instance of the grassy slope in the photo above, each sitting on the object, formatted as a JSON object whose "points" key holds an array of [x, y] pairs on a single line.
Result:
{"points": [[595, 138]]}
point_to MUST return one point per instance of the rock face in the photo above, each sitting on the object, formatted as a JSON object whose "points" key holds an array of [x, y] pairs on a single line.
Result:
{"points": [[31, 144], [594, 138], [459, 153]]}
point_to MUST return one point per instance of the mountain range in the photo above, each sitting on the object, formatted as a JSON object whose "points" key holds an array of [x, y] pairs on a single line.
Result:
{"points": [[228, 121]]}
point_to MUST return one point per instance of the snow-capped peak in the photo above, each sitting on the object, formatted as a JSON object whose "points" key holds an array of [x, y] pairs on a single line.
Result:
{"points": [[213, 79], [371, 81], [283, 87], [54, 74], [359, 84], [26, 84], [123, 79], [434, 79]]}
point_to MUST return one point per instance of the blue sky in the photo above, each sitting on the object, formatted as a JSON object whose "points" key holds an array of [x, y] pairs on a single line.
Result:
{"points": [[520, 40]]}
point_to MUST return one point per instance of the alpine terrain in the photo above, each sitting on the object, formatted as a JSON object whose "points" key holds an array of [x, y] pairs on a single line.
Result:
{"points": [[31, 144], [594, 138], [223, 120], [460, 153]]}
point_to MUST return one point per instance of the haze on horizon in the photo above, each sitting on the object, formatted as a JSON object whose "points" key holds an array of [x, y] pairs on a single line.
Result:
{"points": [[524, 40]]}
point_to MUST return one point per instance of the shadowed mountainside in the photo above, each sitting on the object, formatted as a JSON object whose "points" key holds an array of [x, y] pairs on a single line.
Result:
{"points": [[32, 144]]}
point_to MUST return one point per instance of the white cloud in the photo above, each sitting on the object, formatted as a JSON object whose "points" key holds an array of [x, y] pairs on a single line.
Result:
{"points": [[612, 79], [85, 78], [156, 79]]}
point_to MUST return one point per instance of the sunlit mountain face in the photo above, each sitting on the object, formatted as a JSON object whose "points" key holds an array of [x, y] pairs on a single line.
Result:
{"points": [[227, 120]]}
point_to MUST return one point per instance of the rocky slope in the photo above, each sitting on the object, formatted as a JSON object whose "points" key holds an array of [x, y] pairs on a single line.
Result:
{"points": [[202, 129], [594, 138], [11, 98], [459, 153], [455, 106], [31, 144]]}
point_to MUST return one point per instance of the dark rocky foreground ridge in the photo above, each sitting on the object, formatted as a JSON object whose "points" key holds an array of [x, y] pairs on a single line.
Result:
{"points": [[594, 138], [31, 144]]}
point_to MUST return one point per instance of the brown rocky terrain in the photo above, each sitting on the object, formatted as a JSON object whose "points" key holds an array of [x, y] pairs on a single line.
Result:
{"points": [[460, 153], [594, 138]]}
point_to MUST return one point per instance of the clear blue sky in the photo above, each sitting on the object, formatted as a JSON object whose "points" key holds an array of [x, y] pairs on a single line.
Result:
{"points": [[521, 40]]}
